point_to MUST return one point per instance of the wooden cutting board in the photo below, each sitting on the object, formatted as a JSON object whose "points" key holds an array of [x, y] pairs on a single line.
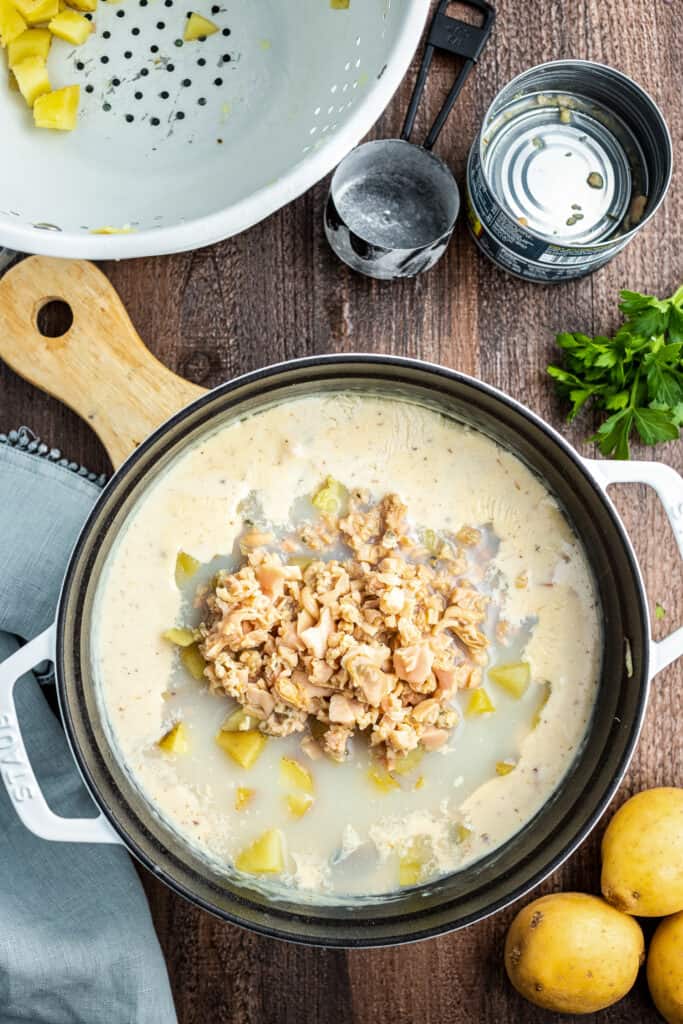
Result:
{"points": [[100, 367]]}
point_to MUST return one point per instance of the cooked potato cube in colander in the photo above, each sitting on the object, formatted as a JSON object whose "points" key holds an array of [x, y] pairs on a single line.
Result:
{"points": [[198, 28], [12, 25], [57, 110], [71, 26], [34, 42], [35, 12], [32, 78], [81, 5]]}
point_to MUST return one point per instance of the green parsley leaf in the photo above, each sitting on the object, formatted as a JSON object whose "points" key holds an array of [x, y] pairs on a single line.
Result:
{"points": [[612, 435], [660, 612], [636, 375], [654, 425]]}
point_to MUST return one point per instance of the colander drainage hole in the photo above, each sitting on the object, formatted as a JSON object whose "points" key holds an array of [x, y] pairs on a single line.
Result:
{"points": [[54, 318]]}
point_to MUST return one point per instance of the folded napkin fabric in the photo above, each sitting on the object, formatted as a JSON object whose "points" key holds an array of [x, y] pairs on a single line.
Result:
{"points": [[77, 943]]}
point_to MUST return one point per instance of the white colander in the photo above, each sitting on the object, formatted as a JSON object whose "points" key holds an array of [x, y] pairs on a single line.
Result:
{"points": [[182, 144]]}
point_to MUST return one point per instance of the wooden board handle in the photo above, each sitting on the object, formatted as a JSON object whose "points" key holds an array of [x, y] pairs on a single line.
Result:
{"points": [[100, 367]]}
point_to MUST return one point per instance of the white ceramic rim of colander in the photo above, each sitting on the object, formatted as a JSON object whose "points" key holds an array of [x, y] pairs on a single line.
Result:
{"points": [[254, 208]]}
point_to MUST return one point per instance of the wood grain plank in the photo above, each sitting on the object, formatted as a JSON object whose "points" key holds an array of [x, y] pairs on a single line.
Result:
{"points": [[276, 292]]}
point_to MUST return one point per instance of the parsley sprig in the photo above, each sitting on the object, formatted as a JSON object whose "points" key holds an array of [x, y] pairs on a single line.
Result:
{"points": [[636, 376]]}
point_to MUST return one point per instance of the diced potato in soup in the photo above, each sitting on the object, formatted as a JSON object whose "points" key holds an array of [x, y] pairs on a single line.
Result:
{"points": [[329, 695]]}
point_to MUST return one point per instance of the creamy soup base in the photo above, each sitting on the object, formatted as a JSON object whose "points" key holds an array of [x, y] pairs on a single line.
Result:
{"points": [[456, 804]]}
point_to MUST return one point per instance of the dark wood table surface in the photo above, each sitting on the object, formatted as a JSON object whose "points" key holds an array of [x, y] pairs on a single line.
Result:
{"points": [[276, 292]]}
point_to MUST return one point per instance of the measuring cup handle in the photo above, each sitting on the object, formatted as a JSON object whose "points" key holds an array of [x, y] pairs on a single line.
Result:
{"points": [[455, 37]]}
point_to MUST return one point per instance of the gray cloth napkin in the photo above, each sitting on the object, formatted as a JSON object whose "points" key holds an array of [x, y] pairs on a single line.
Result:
{"points": [[77, 944]]}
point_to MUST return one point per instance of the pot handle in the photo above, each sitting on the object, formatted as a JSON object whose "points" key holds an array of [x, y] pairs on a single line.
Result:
{"points": [[669, 486], [20, 781]]}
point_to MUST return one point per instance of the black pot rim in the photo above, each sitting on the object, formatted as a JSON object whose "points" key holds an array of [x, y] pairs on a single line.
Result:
{"points": [[272, 372]]}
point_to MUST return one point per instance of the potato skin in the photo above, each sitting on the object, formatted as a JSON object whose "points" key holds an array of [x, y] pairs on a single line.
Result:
{"points": [[573, 953], [642, 854], [665, 969]]}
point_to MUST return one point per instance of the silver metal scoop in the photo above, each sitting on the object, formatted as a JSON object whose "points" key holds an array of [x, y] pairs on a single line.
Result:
{"points": [[392, 205]]}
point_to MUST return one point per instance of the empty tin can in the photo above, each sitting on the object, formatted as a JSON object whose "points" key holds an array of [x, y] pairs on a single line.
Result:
{"points": [[572, 160]]}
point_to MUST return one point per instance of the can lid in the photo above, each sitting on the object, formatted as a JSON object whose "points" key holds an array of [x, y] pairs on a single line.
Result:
{"points": [[560, 172]]}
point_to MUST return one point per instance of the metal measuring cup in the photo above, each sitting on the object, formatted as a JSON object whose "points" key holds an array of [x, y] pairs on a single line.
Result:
{"points": [[392, 205]]}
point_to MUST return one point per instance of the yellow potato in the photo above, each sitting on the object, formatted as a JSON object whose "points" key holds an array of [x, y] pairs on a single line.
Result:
{"points": [[665, 969], [32, 78], [573, 953], [295, 775], [411, 864], [514, 677], [192, 660], [176, 740], [198, 27], [12, 25], [179, 636], [185, 567], [298, 804], [331, 497], [35, 42], [243, 797], [480, 703], [381, 779], [265, 856], [71, 26], [240, 721], [35, 12], [642, 854], [243, 747], [57, 110]]}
